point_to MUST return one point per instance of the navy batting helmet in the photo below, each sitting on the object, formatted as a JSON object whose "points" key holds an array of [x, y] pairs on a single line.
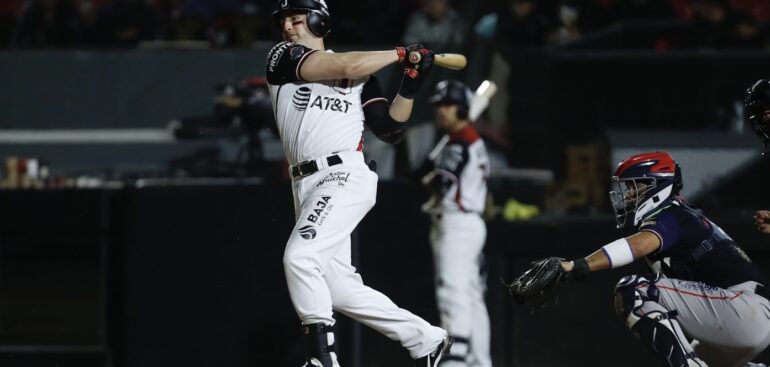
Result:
{"points": [[756, 107], [317, 14], [453, 92]]}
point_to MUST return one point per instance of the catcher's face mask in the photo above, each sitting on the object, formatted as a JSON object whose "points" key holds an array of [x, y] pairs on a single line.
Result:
{"points": [[627, 194]]}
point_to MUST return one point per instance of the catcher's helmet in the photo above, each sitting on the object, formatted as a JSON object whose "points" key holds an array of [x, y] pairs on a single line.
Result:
{"points": [[317, 14], [641, 183], [453, 92], [756, 106]]}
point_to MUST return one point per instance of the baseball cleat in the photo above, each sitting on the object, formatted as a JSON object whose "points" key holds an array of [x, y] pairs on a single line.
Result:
{"points": [[433, 358]]}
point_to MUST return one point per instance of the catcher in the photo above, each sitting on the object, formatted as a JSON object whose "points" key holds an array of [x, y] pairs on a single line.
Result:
{"points": [[704, 287]]}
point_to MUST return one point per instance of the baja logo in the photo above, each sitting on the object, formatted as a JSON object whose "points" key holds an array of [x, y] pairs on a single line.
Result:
{"points": [[321, 210], [340, 177], [331, 103], [301, 98], [307, 232]]}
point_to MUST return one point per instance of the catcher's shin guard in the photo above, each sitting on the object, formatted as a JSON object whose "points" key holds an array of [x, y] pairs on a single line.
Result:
{"points": [[319, 346], [636, 302]]}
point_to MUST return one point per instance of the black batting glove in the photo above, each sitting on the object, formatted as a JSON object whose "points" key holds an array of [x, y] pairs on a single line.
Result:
{"points": [[418, 62]]}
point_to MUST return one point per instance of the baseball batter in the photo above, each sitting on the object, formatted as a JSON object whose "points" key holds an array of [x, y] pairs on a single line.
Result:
{"points": [[705, 286], [321, 100], [458, 233]]}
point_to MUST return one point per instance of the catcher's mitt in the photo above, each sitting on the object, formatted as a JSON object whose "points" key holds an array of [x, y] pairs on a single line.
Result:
{"points": [[539, 283]]}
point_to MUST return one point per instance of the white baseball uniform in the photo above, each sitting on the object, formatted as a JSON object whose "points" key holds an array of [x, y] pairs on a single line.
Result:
{"points": [[458, 234], [320, 124]]}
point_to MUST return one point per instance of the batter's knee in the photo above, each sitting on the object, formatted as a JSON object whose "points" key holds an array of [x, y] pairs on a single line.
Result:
{"points": [[632, 291], [297, 259]]}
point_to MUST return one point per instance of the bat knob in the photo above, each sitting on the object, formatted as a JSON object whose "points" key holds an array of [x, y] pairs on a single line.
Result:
{"points": [[414, 57]]}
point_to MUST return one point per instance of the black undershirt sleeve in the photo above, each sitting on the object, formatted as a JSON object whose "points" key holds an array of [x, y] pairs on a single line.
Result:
{"points": [[376, 115]]}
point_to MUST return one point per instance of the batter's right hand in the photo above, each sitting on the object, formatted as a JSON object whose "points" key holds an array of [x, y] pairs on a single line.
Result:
{"points": [[410, 85], [762, 220]]}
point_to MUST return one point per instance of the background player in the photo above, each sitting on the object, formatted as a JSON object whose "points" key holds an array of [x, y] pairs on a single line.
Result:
{"points": [[756, 108], [321, 100], [706, 287], [458, 184]]}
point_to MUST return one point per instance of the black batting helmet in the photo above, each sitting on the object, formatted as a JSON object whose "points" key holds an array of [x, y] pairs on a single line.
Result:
{"points": [[317, 14], [755, 106], [453, 92]]}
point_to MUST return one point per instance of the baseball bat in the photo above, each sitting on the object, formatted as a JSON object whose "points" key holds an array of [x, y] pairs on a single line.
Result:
{"points": [[451, 61], [481, 98]]}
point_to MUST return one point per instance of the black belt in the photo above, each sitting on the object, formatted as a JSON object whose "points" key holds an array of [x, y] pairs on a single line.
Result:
{"points": [[761, 290], [310, 167]]}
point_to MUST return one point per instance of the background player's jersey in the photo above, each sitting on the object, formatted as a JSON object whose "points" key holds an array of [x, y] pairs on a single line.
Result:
{"points": [[314, 119], [694, 248], [460, 175]]}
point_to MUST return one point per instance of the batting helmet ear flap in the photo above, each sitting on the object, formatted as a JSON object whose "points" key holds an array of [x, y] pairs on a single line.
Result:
{"points": [[318, 23]]}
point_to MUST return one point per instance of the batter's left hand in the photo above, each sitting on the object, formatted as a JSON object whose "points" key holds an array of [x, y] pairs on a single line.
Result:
{"points": [[762, 220], [418, 62]]}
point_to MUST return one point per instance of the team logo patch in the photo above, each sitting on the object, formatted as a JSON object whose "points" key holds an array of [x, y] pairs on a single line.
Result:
{"points": [[307, 232], [301, 98], [296, 52]]}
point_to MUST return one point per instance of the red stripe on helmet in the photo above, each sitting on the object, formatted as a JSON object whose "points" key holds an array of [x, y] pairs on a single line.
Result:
{"points": [[664, 163]]}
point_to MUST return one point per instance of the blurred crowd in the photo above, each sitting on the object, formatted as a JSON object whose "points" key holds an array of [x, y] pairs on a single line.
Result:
{"points": [[446, 24]]}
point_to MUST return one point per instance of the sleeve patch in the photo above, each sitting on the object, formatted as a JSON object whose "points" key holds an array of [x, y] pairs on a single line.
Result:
{"points": [[284, 62]]}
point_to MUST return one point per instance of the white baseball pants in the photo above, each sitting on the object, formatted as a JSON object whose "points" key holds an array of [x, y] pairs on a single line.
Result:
{"points": [[457, 241], [732, 326], [328, 205]]}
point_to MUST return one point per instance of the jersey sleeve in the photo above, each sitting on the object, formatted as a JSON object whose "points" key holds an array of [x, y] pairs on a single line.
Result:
{"points": [[666, 226], [284, 62], [453, 159]]}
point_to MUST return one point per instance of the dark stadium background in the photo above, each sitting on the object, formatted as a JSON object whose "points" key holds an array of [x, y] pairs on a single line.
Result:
{"points": [[128, 241]]}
